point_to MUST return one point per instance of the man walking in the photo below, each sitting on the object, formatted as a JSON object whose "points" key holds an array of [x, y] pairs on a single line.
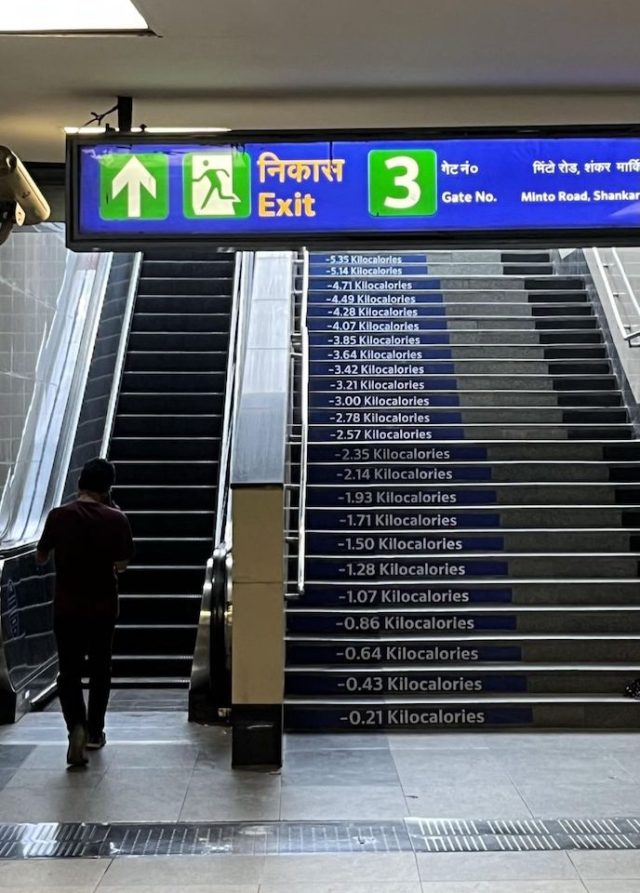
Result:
{"points": [[91, 541]]}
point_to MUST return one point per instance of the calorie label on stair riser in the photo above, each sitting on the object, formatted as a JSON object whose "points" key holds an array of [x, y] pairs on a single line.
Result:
{"points": [[385, 400], [372, 435], [382, 519], [433, 306], [408, 453], [403, 596], [360, 384], [365, 624], [319, 270], [370, 259], [373, 284], [346, 300], [369, 354], [402, 568], [390, 474], [383, 416], [409, 497], [324, 339], [383, 368], [415, 683], [386, 717], [324, 543], [357, 652], [385, 326]]}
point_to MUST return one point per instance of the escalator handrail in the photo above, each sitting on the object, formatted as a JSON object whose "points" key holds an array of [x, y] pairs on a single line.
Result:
{"points": [[121, 355], [62, 446], [210, 688], [304, 423]]}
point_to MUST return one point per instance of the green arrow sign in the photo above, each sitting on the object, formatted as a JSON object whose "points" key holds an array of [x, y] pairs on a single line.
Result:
{"points": [[134, 186]]}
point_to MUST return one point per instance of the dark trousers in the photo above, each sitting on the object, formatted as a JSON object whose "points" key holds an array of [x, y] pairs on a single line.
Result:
{"points": [[78, 639]]}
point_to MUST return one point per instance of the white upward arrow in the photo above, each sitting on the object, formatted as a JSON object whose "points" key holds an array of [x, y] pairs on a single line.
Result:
{"points": [[134, 176]]}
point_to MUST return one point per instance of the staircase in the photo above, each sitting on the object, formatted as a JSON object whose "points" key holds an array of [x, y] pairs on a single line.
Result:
{"points": [[473, 501], [165, 446]]}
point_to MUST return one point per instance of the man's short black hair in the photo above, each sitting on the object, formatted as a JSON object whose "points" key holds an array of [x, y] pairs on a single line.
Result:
{"points": [[98, 475]]}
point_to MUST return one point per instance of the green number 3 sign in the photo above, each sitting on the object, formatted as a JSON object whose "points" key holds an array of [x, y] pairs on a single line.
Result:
{"points": [[403, 183]]}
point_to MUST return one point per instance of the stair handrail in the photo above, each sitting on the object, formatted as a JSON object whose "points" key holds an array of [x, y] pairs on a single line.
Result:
{"points": [[304, 423], [123, 345], [209, 690], [613, 295]]}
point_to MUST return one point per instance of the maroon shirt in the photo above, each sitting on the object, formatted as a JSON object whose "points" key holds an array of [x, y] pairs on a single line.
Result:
{"points": [[87, 538]]}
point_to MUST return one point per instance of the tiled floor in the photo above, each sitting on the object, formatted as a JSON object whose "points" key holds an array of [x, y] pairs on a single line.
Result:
{"points": [[157, 768]]}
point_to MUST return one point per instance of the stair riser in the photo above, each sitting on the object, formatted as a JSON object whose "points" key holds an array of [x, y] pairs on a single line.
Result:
{"points": [[453, 717], [449, 496], [170, 523], [454, 337], [178, 341], [162, 473], [456, 650], [465, 399], [468, 593], [350, 417], [363, 568], [186, 285], [447, 623], [175, 609], [464, 682], [169, 581], [167, 425], [367, 542], [180, 404], [469, 452]]}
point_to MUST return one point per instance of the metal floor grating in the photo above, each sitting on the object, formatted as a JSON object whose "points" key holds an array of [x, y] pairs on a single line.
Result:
{"points": [[79, 840]]}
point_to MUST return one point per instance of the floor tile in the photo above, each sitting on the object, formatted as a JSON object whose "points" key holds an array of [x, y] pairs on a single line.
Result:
{"points": [[5, 776], [13, 755], [551, 766], [466, 801], [341, 868], [57, 804], [495, 866], [46, 779], [372, 802], [506, 887], [41, 873], [612, 886], [301, 741], [156, 756], [231, 796], [610, 864], [182, 871], [438, 766], [180, 888], [607, 798], [302, 886], [138, 795], [340, 767]]}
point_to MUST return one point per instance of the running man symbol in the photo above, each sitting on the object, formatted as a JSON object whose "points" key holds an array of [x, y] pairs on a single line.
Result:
{"points": [[216, 184]]}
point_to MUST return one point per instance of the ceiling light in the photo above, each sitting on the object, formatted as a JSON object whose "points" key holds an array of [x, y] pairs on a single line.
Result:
{"points": [[70, 16]]}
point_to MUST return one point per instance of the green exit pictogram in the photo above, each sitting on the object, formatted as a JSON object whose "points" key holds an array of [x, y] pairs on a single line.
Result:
{"points": [[403, 182], [134, 187], [217, 184]]}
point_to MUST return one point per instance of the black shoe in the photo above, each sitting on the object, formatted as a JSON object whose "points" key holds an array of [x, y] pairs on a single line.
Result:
{"points": [[77, 743], [95, 742]]}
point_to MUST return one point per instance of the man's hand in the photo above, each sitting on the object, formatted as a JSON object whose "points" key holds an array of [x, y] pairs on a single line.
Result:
{"points": [[42, 557]]}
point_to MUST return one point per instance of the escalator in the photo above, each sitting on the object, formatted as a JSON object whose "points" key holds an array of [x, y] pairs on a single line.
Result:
{"points": [[165, 445]]}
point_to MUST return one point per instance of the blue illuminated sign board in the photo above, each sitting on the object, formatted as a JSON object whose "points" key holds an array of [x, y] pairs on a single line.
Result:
{"points": [[290, 189]]}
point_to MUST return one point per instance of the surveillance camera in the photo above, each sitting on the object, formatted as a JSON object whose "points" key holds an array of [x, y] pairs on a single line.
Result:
{"points": [[21, 201]]}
